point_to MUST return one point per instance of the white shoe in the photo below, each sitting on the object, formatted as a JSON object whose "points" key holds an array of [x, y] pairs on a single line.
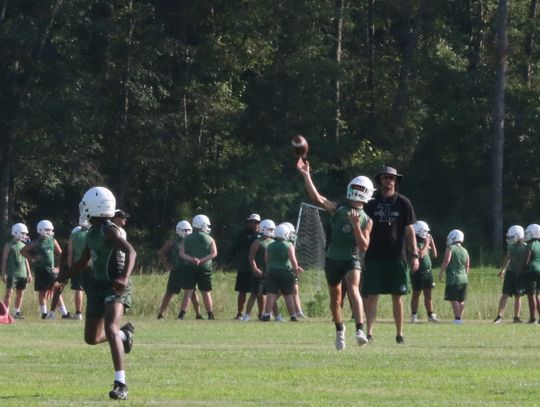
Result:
{"points": [[301, 315], [361, 337], [414, 318], [50, 315], [77, 317], [279, 318], [433, 318], [340, 339], [245, 317], [458, 322]]}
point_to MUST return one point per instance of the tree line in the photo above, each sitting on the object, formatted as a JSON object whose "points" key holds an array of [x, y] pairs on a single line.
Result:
{"points": [[181, 107]]}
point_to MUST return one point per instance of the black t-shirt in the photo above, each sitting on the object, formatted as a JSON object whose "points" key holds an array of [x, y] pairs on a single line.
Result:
{"points": [[390, 217], [239, 251]]}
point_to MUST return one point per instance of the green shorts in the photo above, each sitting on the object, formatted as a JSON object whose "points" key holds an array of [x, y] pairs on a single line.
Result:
{"points": [[98, 295], [43, 279], [513, 283], [175, 281], [335, 270], [19, 283], [280, 280], [422, 280], [197, 277], [455, 292], [532, 283], [385, 277], [76, 282]]}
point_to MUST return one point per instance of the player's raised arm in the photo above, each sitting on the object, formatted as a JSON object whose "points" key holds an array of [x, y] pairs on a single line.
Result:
{"points": [[316, 198]]}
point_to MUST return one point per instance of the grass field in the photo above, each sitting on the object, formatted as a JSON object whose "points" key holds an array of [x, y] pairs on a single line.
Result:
{"points": [[233, 363]]}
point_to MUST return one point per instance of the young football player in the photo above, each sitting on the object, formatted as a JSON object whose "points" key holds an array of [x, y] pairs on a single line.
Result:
{"points": [[351, 229], [532, 266], [296, 294], [456, 267], [15, 268], [422, 279], [198, 249], [170, 258], [76, 244], [512, 272], [106, 283]]}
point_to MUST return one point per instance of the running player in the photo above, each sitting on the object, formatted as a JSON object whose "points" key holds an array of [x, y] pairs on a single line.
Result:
{"points": [[15, 268], [351, 228], [107, 284], [76, 245], [170, 258]]}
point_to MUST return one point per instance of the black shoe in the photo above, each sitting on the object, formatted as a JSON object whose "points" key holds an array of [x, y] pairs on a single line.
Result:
{"points": [[18, 315], [66, 316], [517, 320], [119, 391], [181, 314], [238, 317], [370, 338], [128, 329], [211, 316], [199, 317], [531, 321], [400, 339], [294, 319], [159, 316], [44, 315], [497, 320], [265, 318]]}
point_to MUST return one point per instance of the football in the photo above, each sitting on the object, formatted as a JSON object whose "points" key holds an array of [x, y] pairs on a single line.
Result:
{"points": [[300, 146]]}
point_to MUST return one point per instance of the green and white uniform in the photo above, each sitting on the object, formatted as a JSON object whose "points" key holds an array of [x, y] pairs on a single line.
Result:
{"points": [[43, 264], [343, 254], [198, 245], [280, 275], [78, 243], [515, 281], [258, 283], [423, 277], [174, 284], [456, 274], [533, 272], [105, 269], [16, 273]]}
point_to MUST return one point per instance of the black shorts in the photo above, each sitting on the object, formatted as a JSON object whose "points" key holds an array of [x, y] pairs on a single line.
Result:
{"points": [[19, 283], [457, 292], [257, 286], [385, 277], [335, 270], [175, 281], [77, 282], [532, 283], [43, 279], [197, 277], [243, 281], [513, 283], [422, 280]]}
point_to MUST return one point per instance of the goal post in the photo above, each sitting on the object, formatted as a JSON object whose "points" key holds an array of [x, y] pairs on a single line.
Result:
{"points": [[311, 237]]}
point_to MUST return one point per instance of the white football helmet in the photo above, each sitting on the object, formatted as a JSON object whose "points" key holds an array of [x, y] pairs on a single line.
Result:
{"points": [[455, 236], [183, 228], [97, 202], [202, 222], [292, 231], [514, 234], [282, 232], [365, 191], [532, 232], [19, 231], [267, 228], [45, 228], [75, 229], [421, 229]]}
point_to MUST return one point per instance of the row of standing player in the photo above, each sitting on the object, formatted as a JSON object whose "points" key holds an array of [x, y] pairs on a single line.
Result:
{"points": [[272, 270]]}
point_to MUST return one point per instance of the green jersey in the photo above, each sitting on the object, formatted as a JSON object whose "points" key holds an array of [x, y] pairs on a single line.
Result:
{"points": [[343, 243], [425, 262], [106, 266], [261, 252], [456, 272], [44, 252], [16, 262], [198, 245], [78, 243], [278, 256], [517, 254], [534, 260]]}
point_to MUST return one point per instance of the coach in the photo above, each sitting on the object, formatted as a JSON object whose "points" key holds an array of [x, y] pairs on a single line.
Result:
{"points": [[386, 258]]}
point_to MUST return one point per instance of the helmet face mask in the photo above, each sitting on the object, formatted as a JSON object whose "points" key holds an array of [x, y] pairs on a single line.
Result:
{"points": [[183, 228], [421, 229], [514, 234], [202, 223], [97, 202], [19, 231], [455, 236], [360, 189], [267, 228], [45, 228]]}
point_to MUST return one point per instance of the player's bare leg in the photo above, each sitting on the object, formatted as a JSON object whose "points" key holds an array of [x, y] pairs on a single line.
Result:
{"points": [[271, 300], [207, 299], [188, 292], [415, 300], [7, 298], [165, 303], [517, 307], [78, 300], [240, 302], [371, 313], [397, 311], [196, 304], [428, 301]]}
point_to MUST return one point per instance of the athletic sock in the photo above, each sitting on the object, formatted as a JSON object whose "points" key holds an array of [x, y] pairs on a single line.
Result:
{"points": [[43, 309], [17, 310], [458, 318], [123, 337], [63, 310], [120, 376], [360, 325], [339, 326]]}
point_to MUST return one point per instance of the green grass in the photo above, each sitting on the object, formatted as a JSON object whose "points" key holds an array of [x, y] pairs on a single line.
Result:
{"points": [[232, 363]]}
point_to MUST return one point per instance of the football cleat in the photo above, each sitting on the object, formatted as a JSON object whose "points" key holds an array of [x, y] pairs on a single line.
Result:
{"points": [[361, 337], [119, 391], [340, 339], [128, 330]]}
